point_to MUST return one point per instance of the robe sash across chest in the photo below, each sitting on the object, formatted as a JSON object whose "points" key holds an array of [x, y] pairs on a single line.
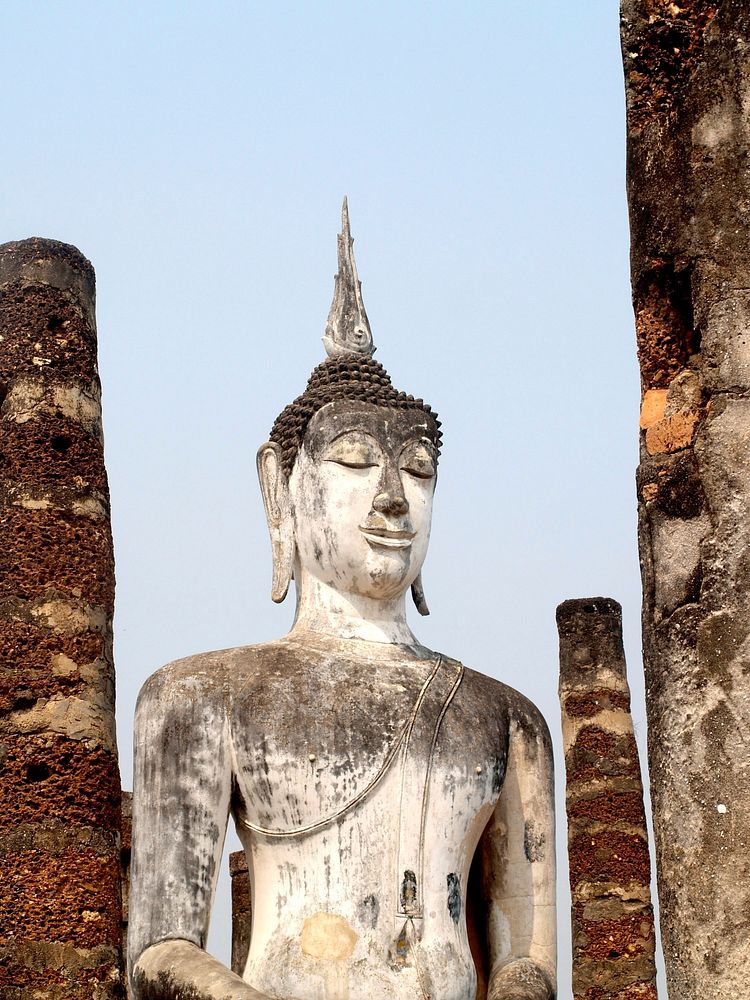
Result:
{"points": [[414, 748]]}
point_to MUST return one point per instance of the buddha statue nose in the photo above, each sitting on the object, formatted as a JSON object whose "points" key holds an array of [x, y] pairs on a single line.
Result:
{"points": [[390, 502]]}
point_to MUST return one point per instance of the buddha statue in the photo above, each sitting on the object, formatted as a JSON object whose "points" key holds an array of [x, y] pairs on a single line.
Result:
{"points": [[395, 807]]}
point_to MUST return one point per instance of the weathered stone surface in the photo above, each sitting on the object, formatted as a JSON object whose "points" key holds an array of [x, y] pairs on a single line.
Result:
{"points": [[687, 70], [613, 920], [60, 922]]}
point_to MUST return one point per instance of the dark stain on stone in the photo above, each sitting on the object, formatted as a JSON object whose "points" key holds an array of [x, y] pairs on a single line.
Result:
{"points": [[671, 484], [398, 952], [369, 911], [408, 890], [720, 638], [533, 842], [498, 773], [454, 897]]}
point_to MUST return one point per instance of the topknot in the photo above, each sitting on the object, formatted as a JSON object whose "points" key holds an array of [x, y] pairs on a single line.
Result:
{"points": [[341, 377]]}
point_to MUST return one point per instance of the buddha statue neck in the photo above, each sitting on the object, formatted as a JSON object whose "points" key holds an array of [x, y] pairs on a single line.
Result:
{"points": [[324, 610]]}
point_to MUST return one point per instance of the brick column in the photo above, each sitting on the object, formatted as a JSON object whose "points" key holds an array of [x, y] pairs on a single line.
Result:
{"points": [[60, 933], [613, 920]]}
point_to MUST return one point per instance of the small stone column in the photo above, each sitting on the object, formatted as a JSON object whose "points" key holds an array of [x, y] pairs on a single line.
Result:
{"points": [[613, 920], [242, 913], [60, 931], [126, 842]]}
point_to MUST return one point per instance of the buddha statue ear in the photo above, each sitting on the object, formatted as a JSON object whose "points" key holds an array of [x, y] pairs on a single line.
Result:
{"points": [[274, 487], [417, 593]]}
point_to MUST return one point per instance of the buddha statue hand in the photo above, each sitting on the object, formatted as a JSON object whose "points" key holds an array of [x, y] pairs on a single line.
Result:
{"points": [[520, 980]]}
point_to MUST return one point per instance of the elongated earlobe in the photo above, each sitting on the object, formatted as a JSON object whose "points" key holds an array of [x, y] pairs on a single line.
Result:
{"points": [[275, 490], [417, 593]]}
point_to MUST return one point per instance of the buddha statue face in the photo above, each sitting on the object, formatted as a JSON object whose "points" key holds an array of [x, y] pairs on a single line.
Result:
{"points": [[361, 497], [355, 513]]}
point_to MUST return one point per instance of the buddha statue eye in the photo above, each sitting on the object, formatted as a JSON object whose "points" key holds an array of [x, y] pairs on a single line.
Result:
{"points": [[354, 451], [418, 460]]}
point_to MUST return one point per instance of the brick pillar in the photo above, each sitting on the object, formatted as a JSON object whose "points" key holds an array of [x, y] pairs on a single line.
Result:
{"points": [[242, 913], [687, 74], [613, 920], [60, 933]]}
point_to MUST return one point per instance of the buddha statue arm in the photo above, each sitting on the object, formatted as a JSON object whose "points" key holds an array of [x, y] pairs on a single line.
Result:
{"points": [[181, 799], [518, 868], [180, 970]]}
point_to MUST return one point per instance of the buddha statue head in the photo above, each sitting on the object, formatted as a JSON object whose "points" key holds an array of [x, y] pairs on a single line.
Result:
{"points": [[349, 472]]}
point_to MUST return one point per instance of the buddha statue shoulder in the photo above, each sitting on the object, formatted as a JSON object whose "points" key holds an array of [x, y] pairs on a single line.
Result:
{"points": [[395, 807]]}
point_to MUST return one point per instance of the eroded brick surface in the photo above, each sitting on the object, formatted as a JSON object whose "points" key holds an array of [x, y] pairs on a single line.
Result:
{"points": [[49, 451], [65, 965], [626, 937], [664, 325], [20, 689], [590, 703], [65, 897], [659, 65], [46, 335], [609, 807], [597, 753], [47, 776], [633, 992], [53, 551], [610, 857], [25, 646]]}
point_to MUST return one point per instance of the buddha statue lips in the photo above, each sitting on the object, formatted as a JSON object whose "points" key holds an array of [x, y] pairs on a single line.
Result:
{"points": [[388, 538], [385, 795]]}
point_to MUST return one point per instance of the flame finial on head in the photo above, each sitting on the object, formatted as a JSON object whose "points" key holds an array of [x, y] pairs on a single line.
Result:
{"points": [[347, 329]]}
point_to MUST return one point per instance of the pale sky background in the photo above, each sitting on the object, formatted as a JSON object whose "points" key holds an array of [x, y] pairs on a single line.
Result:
{"points": [[198, 154]]}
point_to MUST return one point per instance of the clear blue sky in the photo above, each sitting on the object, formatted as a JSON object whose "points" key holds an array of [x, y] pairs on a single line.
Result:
{"points": [[197, 154]]}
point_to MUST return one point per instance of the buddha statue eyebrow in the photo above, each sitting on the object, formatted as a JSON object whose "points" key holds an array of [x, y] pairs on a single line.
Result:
{"points": [[354, 430], [410, 442], [422, 439]]}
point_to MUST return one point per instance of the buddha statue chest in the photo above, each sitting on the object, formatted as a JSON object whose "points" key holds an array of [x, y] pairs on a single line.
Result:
{"points": [[360, 797]]}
